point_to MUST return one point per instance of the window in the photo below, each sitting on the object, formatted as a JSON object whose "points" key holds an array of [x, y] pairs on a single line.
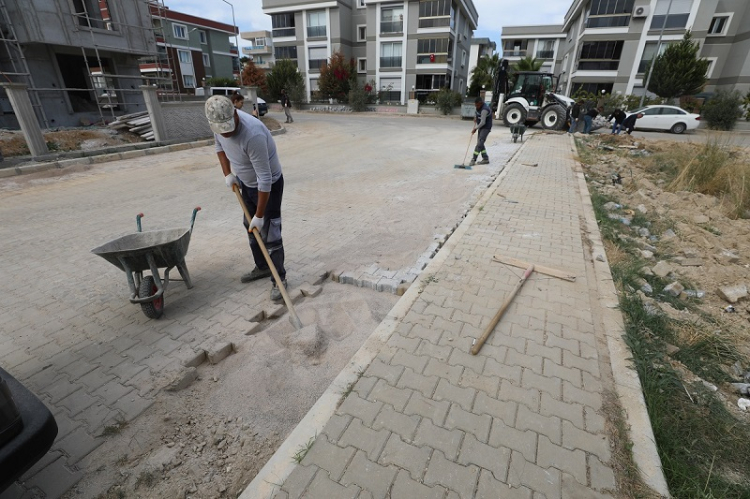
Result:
{"points": [[678, 14], [206, 61], [260, 41], [463, 58], [283, 24], [180, 31], [362, 65], [515, 48], [649, 52], [184, 56], [609, 13], [317, 57], [392, 20], [718, 25], [390, 55], [188, 81], [545, 49], [434, 51], [390, 89], [316, 23], [94, 14], [600, 56], [435, 13], [432, 82], [362, 33], [360, 4], [202, 36], [285, 53], [671, 111], [593, 88]]}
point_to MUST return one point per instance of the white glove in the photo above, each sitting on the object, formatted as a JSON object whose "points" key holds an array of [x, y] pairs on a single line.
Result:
{"points": [[231, 179], [256, 223]]}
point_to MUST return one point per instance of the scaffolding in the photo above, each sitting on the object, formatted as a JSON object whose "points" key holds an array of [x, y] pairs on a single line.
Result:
{"points": [[105, 84]]}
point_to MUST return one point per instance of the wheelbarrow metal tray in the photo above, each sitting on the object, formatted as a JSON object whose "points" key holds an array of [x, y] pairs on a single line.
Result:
{"points": [[168, 247]]}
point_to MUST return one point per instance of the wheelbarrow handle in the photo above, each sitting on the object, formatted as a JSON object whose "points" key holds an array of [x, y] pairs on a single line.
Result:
{"points": [[192, 219], [138, 221]]}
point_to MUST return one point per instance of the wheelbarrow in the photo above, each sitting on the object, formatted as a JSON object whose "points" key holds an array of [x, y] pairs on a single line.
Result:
{"points": [[517, 131], [150, 250]]}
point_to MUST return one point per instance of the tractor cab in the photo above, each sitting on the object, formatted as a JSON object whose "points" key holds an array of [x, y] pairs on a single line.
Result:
{"points": [[533, 86]]}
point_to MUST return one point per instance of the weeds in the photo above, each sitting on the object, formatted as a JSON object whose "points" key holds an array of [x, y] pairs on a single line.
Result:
{"points": [[350, 387], [304, 449], [114, 429], [146, 478]]}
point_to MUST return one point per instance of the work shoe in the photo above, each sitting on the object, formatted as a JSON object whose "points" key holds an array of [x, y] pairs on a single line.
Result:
{"points": [[472, 162], [255, 275], [485, 161], [276, 292]]}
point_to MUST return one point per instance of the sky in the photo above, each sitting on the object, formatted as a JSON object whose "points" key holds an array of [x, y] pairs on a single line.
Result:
{"points": [[493, 14]]}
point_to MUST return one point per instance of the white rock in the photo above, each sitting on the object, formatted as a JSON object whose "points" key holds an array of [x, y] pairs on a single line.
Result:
{"points": [[743, 404]]}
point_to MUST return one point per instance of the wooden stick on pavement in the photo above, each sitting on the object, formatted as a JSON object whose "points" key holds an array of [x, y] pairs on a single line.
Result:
{"points": [[295, 319], [514, 262], [477, 346]]}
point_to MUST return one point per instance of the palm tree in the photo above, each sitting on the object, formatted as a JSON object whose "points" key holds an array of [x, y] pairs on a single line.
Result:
{"points": [[528, 63], [484, 73]]}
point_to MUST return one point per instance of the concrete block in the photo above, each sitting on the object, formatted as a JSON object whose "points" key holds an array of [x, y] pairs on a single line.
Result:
{"points": [[275, 311], [348, 277], [105, 158], [132, 154], [183, 379], [367, 281], [65, 163], [296, 295], [193, 358], [41, 167], [310, 290], [676, 288], [336, 275], [157, 150], [732, 294], [8, 172], [219, 352], [255, 328], [401, 289], [180, 147], [386, 285], [662, 269]]}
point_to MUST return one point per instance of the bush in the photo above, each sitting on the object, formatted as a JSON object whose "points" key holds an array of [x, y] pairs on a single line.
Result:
{"points": [[360, 96], [746, 105], [446, 100], [222, 82], [722, 110]]}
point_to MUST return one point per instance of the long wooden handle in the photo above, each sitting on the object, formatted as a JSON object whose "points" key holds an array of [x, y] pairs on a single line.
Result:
{"points": [[295, 319], [491, 326]]}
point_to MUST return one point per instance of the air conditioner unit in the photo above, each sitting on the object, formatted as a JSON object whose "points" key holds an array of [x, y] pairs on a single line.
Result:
{"points": [[641, 11]]}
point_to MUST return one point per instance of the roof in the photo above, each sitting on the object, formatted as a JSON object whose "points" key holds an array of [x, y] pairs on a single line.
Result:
{"points": [[173, 15]]}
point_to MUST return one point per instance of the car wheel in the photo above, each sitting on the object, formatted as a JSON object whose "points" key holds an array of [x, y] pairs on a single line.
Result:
{"points": [[678, 128]]}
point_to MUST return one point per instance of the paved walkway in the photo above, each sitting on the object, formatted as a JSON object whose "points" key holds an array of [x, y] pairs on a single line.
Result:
{"points": [[523, 418]]}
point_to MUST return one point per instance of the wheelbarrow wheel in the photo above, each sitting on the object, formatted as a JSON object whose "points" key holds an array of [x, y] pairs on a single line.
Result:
{"points": [[153, 309]]}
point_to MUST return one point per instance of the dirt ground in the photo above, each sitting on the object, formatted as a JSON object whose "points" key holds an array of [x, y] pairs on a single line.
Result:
{"points": [[697, 235]]}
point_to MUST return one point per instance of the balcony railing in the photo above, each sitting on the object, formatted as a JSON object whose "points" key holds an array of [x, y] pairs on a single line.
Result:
{"points": [[316, 64], [315, 31], [391, 27], [545, 54], [433, 59], [279, 32], [390, 62], [514, 53]]}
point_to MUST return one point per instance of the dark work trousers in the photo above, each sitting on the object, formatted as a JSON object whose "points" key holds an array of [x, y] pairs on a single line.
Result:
{"points": [[271, 232], [482, 134]]}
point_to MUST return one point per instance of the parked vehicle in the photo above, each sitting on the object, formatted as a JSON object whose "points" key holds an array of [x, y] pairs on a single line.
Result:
{"points": [[669, 118], [262, 107]]}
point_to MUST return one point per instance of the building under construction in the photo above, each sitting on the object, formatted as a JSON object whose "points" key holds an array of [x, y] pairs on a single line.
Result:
{"points": [[81, 59]]}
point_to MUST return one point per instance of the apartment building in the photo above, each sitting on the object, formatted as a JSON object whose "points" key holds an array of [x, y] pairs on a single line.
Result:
{"points": [[403, 46], [192, 49], [260, 48], [607, 44], [541, 42], [480, 47]]}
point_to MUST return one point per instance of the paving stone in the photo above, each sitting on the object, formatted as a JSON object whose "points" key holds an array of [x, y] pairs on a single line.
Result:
{"points": [[60, 389], [424, 384], [183, 379], [132, 405], [360, 408], [448, 442], [553, 407], [364, 386], [460, 358], [111, 392], [368, 475], [77, 402], [405, 487], [382, 370], [573, 394], [528, 397], [77, 445], [514, 358], [570, 374], [55, 479], [404, 343], [335, 427], [432, 350], [489, 488], [369, 441], [477, 425], [573, 438], [458, 478], [535, 348], [298, 480], [502, 409], [511, 373], [591, 366], [526, 473], [602, 476], [455, 394], [545, 384], [572, 489], [595, 423], [97, 417], [322, 486], [553, 340], [550, 455], [436, 368], [485, 456], [332, 458], [396, 422], [504, 435], [416, 362], [406, 456], [487, 384], [434, 410]]}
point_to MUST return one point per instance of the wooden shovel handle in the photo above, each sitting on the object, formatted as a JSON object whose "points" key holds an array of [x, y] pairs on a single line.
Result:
{"points": [[491, 326], [295, 319]]}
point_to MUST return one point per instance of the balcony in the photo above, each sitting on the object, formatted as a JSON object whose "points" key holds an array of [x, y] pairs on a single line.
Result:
{"points": [[390, 62], [316, 31], [514, 53], [256, 50], [391, 27], [545, 54], [282, 32]]}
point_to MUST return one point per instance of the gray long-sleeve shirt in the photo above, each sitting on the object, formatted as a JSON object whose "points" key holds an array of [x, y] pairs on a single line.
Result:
{"points": [[252, 153]]}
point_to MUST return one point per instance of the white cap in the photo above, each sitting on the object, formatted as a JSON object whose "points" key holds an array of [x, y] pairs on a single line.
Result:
{"points": [[220, 114]]}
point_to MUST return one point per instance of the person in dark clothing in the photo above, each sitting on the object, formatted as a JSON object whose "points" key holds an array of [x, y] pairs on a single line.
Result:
{"points": [[629, 123], [287, 105], [588, 119], [619, 117], [575, 115], [483, 123]]}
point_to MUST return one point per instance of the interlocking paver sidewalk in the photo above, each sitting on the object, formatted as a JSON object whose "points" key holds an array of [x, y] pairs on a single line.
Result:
{"points": [[524, 417]]}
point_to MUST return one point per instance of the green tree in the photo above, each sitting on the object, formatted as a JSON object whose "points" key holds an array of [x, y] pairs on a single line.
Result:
{"points": [[528, 63], [678, 71], [336, 77], [723, 110], [284, 74], [484, 74], [253, 76]]}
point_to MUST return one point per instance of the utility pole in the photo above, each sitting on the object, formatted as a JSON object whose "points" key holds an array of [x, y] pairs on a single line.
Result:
{"points": [[237, 40], [656, 54]]}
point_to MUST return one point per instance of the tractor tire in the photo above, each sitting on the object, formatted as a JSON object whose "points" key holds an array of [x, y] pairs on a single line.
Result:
{"points": [[553, 118], [514, 114]]}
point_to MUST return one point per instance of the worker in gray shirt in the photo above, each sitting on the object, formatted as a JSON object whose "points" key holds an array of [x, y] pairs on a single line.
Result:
{"points": [[482, 124], [247, 155]]}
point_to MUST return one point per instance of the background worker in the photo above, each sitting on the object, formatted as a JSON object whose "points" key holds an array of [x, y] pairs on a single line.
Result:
{"points": [[575, 116], [619, 117], [287, 105], [629, 123], [588, 118], [482, 123], [239, 100], [247, 155]]}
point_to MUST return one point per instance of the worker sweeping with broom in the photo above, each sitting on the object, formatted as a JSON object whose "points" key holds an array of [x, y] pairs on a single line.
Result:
{"points": [[482, 124], [248, 159]]}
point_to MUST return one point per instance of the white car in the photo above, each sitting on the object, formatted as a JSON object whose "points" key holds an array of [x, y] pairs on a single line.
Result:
{"points": [[669, 118]]}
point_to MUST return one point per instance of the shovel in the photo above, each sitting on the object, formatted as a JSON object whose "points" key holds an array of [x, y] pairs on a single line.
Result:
{"points": [[292, 314]]}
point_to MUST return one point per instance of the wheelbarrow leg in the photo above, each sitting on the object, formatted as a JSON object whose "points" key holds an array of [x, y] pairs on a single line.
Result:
{"points": [[131, 282], [182, 269]]}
